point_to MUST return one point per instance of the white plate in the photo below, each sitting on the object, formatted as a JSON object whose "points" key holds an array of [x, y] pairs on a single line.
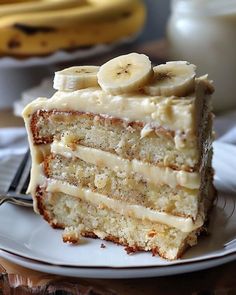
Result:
{"points": [[37, 246], [117, 273]]}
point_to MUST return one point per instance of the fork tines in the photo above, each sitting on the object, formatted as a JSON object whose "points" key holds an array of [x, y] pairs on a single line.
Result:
{"points": [[20, 181]]}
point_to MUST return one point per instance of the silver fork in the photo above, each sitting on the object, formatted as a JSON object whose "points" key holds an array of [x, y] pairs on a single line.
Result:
{"points": [[16, 193]]}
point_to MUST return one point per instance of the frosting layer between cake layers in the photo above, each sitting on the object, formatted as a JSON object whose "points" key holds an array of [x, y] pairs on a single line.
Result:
{"points": [[151, 173]]}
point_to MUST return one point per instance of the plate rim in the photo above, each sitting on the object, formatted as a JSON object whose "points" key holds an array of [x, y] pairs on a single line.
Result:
{"points": [[233, 253], [116, 273]]}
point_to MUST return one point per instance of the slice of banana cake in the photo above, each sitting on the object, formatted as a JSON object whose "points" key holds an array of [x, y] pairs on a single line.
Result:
{"points": [[123, 152]]}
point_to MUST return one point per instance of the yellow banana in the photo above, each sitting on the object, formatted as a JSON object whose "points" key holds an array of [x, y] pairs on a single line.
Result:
{"points": [[15, 1], [37, 6], [49, 25], [93, 11]]}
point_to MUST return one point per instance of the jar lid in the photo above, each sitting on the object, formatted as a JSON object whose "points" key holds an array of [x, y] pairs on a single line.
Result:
{"points": [[204, 7]]}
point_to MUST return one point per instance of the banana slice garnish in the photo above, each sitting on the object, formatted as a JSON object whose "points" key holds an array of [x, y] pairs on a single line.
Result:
{"points": [[125, 73], [173, 78], [75, 78]]}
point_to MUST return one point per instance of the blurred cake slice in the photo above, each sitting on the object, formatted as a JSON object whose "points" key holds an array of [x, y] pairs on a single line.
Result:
{"points": [[123, 152]]}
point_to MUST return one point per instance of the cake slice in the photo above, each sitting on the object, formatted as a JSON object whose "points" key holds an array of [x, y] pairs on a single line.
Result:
{"points": [[123, 152]]}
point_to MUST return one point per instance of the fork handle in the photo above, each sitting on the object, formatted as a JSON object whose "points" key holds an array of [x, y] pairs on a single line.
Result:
{"points": [[17, 200]]}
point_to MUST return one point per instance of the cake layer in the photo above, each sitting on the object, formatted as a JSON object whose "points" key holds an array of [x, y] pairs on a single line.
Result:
{"points": [[138, 211], [155, 145], [120, 185], [61, 210]]}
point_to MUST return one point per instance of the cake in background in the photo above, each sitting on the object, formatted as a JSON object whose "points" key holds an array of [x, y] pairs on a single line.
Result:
{"points": [[29, 27], [123, 152]]}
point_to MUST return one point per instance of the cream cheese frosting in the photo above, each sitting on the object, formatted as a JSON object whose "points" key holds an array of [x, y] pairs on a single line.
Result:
{"points": [[173, 113], [151, 173], [177, 114]]}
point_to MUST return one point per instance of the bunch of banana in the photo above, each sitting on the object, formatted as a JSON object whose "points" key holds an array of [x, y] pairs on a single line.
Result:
{"points": [[13, 1], [130, 73], [21, 7], [40, 27]]}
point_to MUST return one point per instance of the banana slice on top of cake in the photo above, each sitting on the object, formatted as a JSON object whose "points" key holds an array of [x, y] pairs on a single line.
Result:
{"points": [[123, 152]]}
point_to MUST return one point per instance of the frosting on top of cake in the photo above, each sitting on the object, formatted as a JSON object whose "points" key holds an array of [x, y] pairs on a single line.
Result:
{"points": [[173, 113], [128, 87]]}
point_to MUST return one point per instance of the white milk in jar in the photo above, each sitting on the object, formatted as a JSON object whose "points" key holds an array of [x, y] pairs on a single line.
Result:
{"points": [[203, 32]]}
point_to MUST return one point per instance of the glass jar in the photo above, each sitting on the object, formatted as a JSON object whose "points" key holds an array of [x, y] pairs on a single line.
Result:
{"points": [[204, 33]]}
